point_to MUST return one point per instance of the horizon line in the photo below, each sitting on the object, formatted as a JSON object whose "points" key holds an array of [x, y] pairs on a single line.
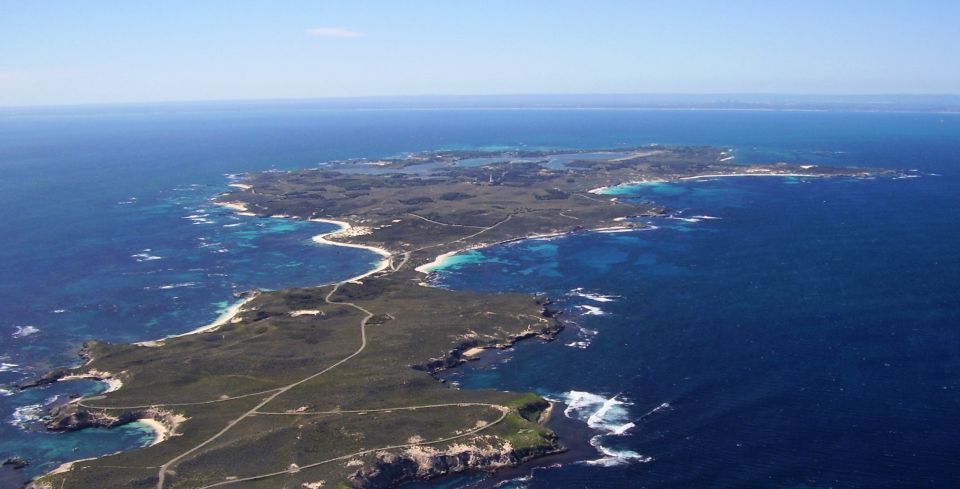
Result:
{"points": [[810, 98]]}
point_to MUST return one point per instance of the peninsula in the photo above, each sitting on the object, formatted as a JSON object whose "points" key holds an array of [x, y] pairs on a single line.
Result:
{"points": [[331, 386]]}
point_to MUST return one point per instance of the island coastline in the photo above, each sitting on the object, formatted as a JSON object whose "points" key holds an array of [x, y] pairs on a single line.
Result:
{"points": [[235, 311]]}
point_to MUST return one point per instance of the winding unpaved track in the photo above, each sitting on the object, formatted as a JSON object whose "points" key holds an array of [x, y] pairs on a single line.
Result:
{"points": [[162, 473], [174, 404], [443, 223], [378, 410]]}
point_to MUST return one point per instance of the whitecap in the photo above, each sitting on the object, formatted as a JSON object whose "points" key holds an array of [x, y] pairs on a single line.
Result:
{"points": [[172, 286], [5, 392], [145, 256], [591, 310], [59, 311], [579, 292], [707, 217], [516, 483], [613, 458], [8, 367], [25, 415], [23, 331], [611, 417]]}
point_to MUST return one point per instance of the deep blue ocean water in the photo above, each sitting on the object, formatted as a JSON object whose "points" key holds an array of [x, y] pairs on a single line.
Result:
{"points": [[808, 337]]}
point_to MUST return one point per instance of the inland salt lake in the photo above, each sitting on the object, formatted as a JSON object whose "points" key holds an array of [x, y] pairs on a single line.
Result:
{"points": [[772, 332]]}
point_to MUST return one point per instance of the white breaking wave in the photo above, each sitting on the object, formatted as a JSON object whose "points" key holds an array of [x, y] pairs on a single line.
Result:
{"points": [[591, 310], [586, 337], [23, 331], [5, 392], [24, 415], [579, 292], [176, 286], [516, 483], [199, 218], [8, 367], [146, 256], [613, 458], [707, 217], [611, 417]]}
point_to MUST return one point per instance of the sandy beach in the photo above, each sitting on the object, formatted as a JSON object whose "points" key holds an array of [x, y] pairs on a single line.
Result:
{"points": [[237, 206], [237, 307], [602, 190], [437, 262], [344, 228], [163, 423], [802, 175], [224, 318], [442, 259]]}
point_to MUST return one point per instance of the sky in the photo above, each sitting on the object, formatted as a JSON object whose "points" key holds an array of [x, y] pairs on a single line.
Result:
{"points": [[104, 51]]}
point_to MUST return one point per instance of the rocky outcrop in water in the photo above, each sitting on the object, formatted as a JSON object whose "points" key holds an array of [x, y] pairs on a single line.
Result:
{"points": [[16, 463]]}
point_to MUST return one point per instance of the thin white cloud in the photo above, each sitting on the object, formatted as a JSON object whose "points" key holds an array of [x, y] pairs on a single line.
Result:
{"points": [[338, 32]]}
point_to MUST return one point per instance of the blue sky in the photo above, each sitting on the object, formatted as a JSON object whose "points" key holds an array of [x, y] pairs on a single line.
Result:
{"points": [[93, 51]]}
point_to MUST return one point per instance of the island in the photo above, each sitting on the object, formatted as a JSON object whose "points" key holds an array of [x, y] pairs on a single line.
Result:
{"points": [[335, 386]]}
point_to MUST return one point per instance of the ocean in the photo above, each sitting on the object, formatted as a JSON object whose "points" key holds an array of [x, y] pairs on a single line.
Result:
{"points": [[773, 332]]}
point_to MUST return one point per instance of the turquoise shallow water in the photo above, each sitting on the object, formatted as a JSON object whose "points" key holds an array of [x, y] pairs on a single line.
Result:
{"points": [[767, 332]]}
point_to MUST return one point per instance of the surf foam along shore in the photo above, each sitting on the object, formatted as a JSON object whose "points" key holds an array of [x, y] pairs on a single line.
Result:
{"points": [[610, 417], [225, 317]]}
